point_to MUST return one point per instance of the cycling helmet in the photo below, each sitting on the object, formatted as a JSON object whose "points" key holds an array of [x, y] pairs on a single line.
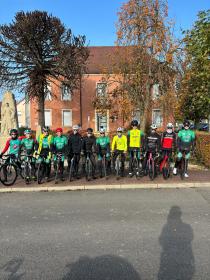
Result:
{"points": [[75, 127], [27, 131], [59, 129], [102, 130], [90, 130], [120, 129], [170, 125], [134, 123], [186, 123], [14, 130], [153, 126], [45, 129]]}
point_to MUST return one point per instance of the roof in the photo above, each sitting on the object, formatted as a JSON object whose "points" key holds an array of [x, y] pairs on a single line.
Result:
{"points": [[100, 58]]}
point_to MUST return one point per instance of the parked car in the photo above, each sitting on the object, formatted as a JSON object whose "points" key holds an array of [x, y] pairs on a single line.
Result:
{"points": [[203, 126]]}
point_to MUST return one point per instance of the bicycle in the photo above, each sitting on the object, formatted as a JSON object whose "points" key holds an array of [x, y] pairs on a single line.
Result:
{"points": [[103, 167], [26, 164], [58, 166], [118, 166], [151, 166], [137, 165], [10, 170], [41, 170], [72, 168], [88, 167]]}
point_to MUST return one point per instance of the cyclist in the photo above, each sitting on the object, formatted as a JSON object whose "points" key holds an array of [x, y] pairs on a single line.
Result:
{"points": [[13, 145], [168, 143], [89, 146], [28, 146], [103, 148], [59, 146], [74, 149], [185, 142], [119, 147], [135, 143], [152, 145], [44, 148]]}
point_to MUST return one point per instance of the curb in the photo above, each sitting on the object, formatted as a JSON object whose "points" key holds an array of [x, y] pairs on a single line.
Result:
{"points": [[107, 187]]}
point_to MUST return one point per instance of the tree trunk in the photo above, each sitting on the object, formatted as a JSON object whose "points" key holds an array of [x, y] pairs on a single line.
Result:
{"points": [[209, 123], [41, 116], [144, 115]]}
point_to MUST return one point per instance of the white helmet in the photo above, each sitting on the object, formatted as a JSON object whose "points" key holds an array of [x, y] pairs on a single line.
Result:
{"points": [[75, 127], [153, 126], [102, 130], [170, 125], [120, 129]]}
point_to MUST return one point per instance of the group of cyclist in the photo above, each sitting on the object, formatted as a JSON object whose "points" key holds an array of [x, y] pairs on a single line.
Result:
{"points": [[135, 143]]}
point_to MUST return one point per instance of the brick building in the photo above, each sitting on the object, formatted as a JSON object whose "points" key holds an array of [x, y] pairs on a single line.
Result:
{"points": [[65, 108]]}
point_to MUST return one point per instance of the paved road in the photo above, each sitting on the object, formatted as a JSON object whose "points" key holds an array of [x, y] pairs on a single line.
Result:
{"points": [[106, 235]]}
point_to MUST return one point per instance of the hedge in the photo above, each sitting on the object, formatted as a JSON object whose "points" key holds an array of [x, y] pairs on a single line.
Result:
{"points": [[203, 147]]}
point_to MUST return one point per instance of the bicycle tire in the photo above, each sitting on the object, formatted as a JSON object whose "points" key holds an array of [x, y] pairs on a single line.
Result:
{"points": [[104, 167], [11, 168], [71, 169], [182, 168], [88, 169], [166, 170], [117, 167], [151, 170], [40, 172]]}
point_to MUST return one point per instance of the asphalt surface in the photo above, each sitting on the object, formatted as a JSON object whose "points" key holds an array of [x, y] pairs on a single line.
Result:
{"points": [[106, 235]]}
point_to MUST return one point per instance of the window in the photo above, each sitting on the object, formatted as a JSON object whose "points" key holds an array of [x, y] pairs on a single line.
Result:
{"points": [[155, 91], [101, 89], [157, 117], [48, 117], [67, 117], [137, 115], [48, 93], [101, 121], [65, 93], [19, 113]]}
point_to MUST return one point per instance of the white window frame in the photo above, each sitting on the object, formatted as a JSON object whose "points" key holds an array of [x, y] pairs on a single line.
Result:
{"points": [[161, 113], [50, 110], [69, 110], [96, 121], [70, 93], [48, 96], [97, 95], [155, 91]]}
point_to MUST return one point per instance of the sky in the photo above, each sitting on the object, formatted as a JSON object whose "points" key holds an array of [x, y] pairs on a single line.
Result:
{"points": [[96, 18]]}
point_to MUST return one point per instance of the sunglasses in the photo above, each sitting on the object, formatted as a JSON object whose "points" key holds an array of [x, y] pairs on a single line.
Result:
{"points": [[14, 134]]}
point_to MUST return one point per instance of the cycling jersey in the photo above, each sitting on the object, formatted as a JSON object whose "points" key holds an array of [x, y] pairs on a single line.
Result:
{"points": [[135, 138], [60, 143], [119, 143], [168, 140], [13, 145], [103, 142], [44, 142], [152, 142], [75, 143], [185, 139], [89, 144], [28, 144]]}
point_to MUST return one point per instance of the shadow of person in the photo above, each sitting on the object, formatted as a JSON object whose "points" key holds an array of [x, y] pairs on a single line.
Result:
{"points": [[105, 267], [12, 268], [177, 260]]}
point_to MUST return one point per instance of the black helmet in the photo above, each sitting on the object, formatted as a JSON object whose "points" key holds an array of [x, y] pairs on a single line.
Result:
{"points": [[134, 123], [13, 130], [90, 130], [45, 129], [186, 123]]}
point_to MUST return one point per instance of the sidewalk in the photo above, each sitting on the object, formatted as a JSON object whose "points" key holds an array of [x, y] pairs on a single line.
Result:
{"points": [[197, 179]]}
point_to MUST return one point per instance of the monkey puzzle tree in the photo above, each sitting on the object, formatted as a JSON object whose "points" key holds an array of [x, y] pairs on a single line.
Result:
{"points": [[36, 49]]}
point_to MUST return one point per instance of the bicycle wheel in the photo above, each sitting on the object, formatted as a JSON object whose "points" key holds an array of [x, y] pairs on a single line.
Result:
{"points": [[104, 167], [71, 170], [135, 167], [88, 169], [166, 170], [56, 172], [117, 168], [40, 172], [8, 174], [151, 169], [182, 168], [26, 172]]}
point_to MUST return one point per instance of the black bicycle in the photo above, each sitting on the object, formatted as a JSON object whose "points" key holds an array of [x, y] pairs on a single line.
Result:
{"points": [[118, 166], [28, 164], [42, 167], [103, 164], [137, 165], [10, 170], [88, 167], [58, 166], [73, 167]]}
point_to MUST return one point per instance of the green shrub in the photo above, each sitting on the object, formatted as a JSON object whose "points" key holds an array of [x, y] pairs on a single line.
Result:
{"points": [[203, 147]]}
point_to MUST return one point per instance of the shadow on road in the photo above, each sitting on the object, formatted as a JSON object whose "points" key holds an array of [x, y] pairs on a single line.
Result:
{"points": [[12, 267], [177, 260], [101, 268]]}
